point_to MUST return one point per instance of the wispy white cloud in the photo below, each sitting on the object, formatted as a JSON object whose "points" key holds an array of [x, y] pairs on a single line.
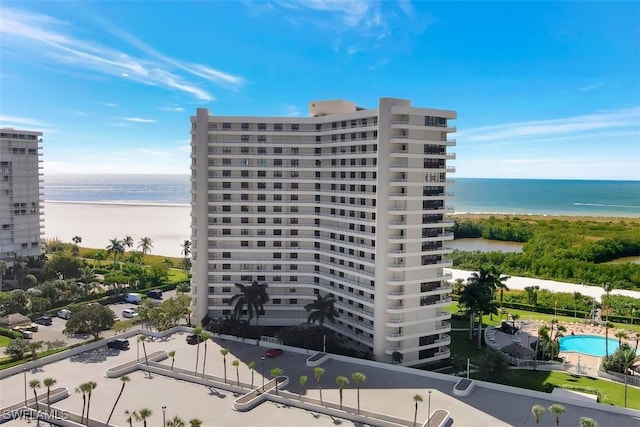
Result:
{"points": [[292, 111], [589, 88], [109, 104], [555, 127], [139, 120], [44, 36], [176, 109], [25, 121]]}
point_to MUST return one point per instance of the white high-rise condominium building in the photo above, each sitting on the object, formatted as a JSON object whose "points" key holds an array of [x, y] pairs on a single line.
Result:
{"points": [[20, 194], [349, 202]]}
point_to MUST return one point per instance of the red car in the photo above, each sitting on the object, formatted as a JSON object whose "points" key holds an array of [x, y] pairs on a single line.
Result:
{"points": [[274, 352]]}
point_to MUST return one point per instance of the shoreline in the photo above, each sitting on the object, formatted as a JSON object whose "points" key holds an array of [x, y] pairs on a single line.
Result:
{"points": [[119, 203]]}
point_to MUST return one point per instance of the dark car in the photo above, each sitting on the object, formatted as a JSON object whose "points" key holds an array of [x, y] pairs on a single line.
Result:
{"points": [[44, 320], [155, 294], [119, 344], [274, 352], [193, 339]]}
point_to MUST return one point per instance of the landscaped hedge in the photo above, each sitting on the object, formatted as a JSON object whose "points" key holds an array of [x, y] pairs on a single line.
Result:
{"points": [[543, 309], [10, 333]]}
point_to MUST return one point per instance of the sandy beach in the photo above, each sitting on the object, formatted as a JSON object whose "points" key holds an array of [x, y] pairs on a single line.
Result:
{"points": [[168, 226]]}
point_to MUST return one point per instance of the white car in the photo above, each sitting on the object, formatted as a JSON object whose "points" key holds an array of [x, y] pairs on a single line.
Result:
{"points": [[129, 313], [64, 313]]}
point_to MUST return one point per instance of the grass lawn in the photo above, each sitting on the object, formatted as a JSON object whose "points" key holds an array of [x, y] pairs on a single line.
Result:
{"points": [[4, 341], [177, 276], [610, 392]]}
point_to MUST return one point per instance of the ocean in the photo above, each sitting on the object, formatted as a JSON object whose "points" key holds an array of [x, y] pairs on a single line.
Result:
{"points": [[472, 195]]}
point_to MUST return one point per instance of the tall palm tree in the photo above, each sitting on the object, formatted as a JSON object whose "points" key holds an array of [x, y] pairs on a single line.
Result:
{"points": [[145, 245], [91, 385], [197, 331], [35, 384], [251, 365], [115, 248], [607, 287], [478, 296], [176, 421], [49, 382], [186, 251], [303, 383], [607, 325], [588, 422], [538, 412], [127, 242], [195, 422], [557, 410], [318, 373], [577, 297], [76, 239], [82, 388], [322, 309], [224, 352], [125, 379], [358, 378], [416, 398], [142, 415], [341, 381], [204, 337], [172, 355], [130, 416], [236, 363], [628, 357], [253, 297], [275, 373], [142, 339]]}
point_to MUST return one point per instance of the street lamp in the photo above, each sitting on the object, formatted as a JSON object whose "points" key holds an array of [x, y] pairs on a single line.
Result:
{"points": [[263, 373], [24, 373], [429, 409], [164, 419]]}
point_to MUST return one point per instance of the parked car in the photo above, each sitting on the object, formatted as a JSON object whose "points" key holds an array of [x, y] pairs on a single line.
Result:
{"points": [[129, 313], [193, 339], [119, 344], [44, 320], [155, 294], [27, 335], [64, 313], [273, 352], [133, 298]]}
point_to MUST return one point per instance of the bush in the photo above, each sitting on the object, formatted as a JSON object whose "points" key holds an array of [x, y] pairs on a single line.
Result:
{"points": [[10, 333], [17, 348]]}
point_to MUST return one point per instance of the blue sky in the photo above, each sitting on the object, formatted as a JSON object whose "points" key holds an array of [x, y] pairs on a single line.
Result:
{"points": [[542, 89]]}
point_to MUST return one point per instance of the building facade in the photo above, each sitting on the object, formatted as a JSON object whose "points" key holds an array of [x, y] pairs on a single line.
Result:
{"points": [[350, 202], [21, 194]]}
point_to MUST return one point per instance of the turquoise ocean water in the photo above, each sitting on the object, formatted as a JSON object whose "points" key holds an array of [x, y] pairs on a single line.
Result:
{"points": [[516, 196]]}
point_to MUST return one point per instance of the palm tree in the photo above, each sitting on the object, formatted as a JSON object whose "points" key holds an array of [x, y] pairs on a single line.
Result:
{"points": [[303, 383], [195, 422], [322, 309], [82, 388], [621, 335], [224, 352], [253, 297], [197, 331], [125, 379], [142, 415], [236, 363], [204, 337], [358, 378], [91, 385], [557, 410], [186, 251], [172, 355], [416, 398], [275, 373], [76, 239], [127, 242], [608, 287], [478, 296], [176, 421], [115, 248], [537, 411], [588, 422], [130, 416], [628, 357], [318, 373], [142, 339], [341, 381], [145, 244], [48, 382], [35, 384], [251, 365], [577, 297]]}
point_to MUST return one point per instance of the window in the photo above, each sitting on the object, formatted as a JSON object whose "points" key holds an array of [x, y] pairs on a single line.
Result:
{"points": [[295, 126], [262, 126], [276, 301], [226, 126], [244, 126]]}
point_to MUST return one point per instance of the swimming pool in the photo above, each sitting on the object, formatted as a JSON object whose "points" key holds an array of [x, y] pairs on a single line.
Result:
{"points": [[587, 344]]}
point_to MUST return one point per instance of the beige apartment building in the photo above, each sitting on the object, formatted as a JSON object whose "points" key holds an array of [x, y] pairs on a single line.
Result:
{"points": [[21, 194], [350, 202]]}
